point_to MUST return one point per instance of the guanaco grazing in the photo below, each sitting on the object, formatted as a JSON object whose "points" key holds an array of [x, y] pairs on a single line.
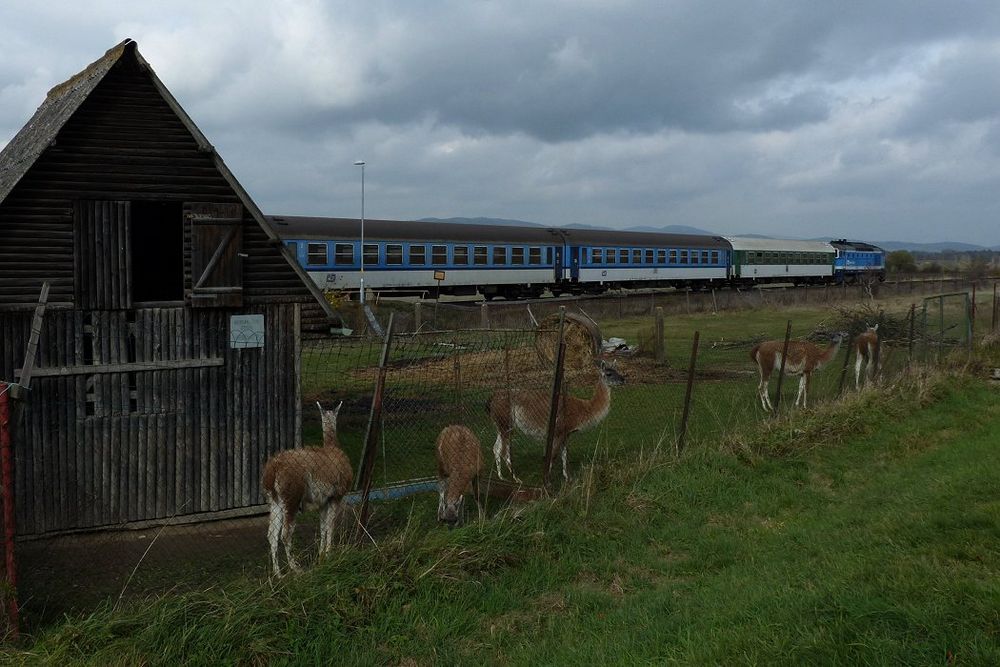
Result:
{"points": [[459, 463], [803, 359], [528, 412]]}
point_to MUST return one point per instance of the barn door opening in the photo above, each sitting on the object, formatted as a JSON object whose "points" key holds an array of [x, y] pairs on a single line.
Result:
{"points": [[157, 235], [216, 254]]}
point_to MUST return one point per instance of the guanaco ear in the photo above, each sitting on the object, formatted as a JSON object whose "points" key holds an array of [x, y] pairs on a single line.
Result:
{"points": [[336, 410], [875, 328], [320, 408]]}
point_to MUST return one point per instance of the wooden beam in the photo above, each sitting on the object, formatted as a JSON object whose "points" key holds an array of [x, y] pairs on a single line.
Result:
{"points": [[135, 367]]}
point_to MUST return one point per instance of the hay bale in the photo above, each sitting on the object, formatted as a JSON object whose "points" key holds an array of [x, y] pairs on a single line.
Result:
{"points": [[583, 341]]}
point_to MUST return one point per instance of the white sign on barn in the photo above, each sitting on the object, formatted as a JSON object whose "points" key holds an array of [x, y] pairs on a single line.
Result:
{"points": [[246, 331]]}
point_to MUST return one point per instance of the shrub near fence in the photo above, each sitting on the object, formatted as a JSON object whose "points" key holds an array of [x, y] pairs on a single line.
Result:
{"points": [[397, 397]]}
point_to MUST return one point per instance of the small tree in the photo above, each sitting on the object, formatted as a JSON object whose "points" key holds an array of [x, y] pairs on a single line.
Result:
{"points": [[900, 261]]}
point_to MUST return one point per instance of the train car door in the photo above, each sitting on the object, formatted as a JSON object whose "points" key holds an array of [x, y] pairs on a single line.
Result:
{"points": [[574, 263], [558, 264]]}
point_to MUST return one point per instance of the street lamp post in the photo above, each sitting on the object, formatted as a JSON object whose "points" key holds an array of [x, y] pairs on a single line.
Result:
{"points": [[361, 163]]}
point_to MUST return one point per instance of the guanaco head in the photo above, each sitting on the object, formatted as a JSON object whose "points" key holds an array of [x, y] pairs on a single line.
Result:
{"points": [[609, 369], [451, 511], [329, 420]]}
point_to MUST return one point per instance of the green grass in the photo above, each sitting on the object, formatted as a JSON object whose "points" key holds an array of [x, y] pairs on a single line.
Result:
{"points": [[859, 532]]}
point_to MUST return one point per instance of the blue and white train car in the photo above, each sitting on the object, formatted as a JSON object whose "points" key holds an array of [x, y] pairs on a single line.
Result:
{"points": [[856, 258], [409, 257], [603, 259]]}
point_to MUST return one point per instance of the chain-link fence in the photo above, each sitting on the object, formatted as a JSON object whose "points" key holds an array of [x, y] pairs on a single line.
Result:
{"points": [[231, 446], [420, 315]]}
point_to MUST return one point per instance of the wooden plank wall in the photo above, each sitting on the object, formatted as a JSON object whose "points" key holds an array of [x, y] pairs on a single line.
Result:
{"points": [[109, 448], [101, 247]]}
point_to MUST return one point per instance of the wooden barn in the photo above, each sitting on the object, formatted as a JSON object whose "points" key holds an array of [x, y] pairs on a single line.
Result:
{"points": [[168, 365]]}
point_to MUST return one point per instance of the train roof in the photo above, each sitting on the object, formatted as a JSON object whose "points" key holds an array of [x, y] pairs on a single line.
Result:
{"points": [[305, 227], [861, 246], [780, 245]]}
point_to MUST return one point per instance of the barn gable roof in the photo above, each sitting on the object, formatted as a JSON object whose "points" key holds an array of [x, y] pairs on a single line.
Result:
{"points": [[63, 100]]}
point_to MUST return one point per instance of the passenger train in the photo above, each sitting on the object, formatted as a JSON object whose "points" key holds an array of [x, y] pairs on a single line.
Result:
{"points": [[404, 257]]}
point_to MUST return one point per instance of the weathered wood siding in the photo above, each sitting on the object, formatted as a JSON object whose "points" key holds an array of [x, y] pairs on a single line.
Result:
{"points": [[123, 143], [111, 442]]}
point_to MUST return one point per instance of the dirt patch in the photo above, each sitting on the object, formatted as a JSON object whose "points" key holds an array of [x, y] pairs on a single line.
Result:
{"points": [[487, 369]]}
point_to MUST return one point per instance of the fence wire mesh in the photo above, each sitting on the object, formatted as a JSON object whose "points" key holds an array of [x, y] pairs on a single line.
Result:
{"points": [[140, 477]]}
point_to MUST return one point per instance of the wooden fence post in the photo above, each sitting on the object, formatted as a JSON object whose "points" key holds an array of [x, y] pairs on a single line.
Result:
{"points": [[781, 371], [12, 630], [367, 466], [687, 393], [555, 400], [993, 321], [659, 348], [418, 319], [913, 317]]}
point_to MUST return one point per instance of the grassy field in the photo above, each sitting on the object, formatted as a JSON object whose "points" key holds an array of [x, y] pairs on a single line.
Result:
{"points": [[862, 531]]}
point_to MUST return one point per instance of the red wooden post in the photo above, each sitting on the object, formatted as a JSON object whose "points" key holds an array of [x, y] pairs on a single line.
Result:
{"points": [[7, 494]]}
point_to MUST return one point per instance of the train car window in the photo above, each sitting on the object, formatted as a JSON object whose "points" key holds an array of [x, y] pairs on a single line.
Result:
{"points": [[609, 255], [649, 257], [517, 255], [394, 254], [715, 257], [418, 255], [317, 254], [344, 254], [696, 257], [461, 255], [636, 256], [684, 256], [661, 256], [499, 255], [479, 256], [439, 255], [534, 255], [370, 254], [597, 256], [673, 256], [622, 256]]}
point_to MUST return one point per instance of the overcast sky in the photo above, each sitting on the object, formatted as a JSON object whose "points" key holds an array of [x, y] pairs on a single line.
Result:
{"points": [[874, 120]]}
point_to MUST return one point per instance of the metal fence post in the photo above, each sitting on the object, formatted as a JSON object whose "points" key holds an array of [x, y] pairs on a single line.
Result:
{"points": [[843, 369], [484, 316], [418, 319], [555, 400], [687, 393], [781, 371], [7, 488], [367, 466]]}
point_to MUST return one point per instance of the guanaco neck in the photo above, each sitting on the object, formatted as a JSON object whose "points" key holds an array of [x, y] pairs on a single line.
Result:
{"points": [[831, 351], [330, 438], [597, 406]]}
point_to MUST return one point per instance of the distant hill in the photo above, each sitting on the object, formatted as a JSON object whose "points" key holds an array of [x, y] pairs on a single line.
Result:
{"points": [[930, 247], [484, 221], [666, 229]]}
